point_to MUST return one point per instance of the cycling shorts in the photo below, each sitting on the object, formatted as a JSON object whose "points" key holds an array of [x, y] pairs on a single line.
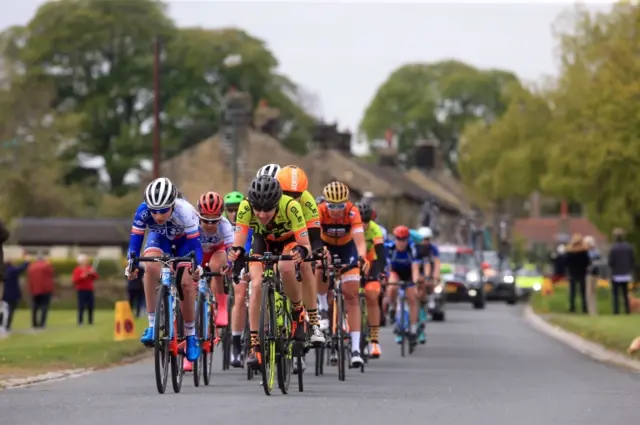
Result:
{"points": [[156, 241]]}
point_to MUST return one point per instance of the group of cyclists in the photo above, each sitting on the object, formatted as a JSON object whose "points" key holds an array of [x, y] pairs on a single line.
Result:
{"points": [[279, 215]]}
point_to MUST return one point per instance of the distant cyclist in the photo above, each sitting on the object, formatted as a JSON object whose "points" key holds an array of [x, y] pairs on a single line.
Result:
{"points": [[430, 258]]}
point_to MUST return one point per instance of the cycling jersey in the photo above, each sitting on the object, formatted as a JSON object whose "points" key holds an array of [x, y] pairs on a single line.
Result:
{"points": [[339, 231], [219, 240], [402, 259], [288, 223], [373, 236], [309, 210], [385, 234], [427, 255], [182, 229]]}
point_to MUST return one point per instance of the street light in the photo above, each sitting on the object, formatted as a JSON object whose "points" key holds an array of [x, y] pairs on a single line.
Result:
{"points": [[232, 61]]}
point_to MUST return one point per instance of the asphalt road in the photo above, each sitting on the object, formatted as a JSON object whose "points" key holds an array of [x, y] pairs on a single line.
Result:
{"points": [[479, 367]]}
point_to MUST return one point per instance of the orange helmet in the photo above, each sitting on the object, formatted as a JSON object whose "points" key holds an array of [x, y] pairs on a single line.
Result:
{"points": [[292, 179], [210, 203], [401, 232]]}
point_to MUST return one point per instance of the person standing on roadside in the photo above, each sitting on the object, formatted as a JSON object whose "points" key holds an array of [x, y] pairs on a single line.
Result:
{"points": [[40, 279], [622, 263], [136, 292], [12, 293], [84, 277], [577, 265]]}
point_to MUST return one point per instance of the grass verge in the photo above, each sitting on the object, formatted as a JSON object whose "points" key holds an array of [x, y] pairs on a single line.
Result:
{"points": [[612, 331], [64, 344]]}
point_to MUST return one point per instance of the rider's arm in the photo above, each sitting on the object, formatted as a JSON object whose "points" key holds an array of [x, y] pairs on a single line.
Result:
{"points": [[357, 232], [312, 218], [416, 262], [298, 225], [192, 230], [435, 254], [138, 228], [380, 262]]}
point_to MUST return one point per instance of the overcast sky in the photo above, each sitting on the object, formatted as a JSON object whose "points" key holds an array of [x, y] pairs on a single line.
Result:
{"points": [[342, 51]]}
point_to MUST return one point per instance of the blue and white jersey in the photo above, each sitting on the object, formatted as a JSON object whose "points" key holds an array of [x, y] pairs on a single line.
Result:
{"points": [[385, 234], [401, 259], [222, 238], [184, 222]]}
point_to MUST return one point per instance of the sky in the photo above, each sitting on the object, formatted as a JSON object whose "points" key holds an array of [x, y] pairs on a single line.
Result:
{"points": [[343, 51]]}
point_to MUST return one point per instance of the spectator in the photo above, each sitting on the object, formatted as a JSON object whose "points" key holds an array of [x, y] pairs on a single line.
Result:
{"points": [[4, 236], [136, 292], [83, 278], [12, 293], [40, 279], [622, 263], [559, 263], [577, 265]]}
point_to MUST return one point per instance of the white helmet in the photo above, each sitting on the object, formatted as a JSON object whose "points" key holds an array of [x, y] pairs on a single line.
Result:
{"points": [[425, 232], [270, 169], [160, 193]]}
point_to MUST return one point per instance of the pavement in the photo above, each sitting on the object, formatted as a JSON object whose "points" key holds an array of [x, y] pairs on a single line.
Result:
{"points": [[479, 367]]}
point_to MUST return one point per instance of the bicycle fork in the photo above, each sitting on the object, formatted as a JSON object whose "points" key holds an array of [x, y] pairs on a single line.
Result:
{"points": [[169, 293]]}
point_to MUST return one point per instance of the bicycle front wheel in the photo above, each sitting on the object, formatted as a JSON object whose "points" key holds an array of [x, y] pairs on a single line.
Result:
{"points": [[342, 354], [364, 333], [161, 339], [210, 344], [177, 361], [285, 347], [267, 334]]}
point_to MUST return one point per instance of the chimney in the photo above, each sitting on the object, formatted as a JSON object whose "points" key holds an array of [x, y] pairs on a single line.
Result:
{"points": [[426, 155]]}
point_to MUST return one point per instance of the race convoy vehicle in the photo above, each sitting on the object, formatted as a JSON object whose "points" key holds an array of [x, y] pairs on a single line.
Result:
{"points": [[462, 275], [500, 280], [528, 280]]}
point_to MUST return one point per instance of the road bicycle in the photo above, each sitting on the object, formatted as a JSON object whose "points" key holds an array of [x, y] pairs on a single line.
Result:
{"points": [[206, 330], [402, 317], [168, 327]]}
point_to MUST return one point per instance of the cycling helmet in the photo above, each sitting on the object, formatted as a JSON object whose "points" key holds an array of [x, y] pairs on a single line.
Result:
{"points": [[401, 232], [320, 199], [233, 198], [365, 211], [336, 192], [425, 232], [160, 194], [265, 192], [269, 169], [292, 179], [210, 203]]}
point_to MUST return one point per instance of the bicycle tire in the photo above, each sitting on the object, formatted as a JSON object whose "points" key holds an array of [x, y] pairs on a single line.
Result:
{"points": [[177, 362], [198, 365], [228, 337], [211, 338], [402, 326], [319, 359], [267, 337], [299, 353], [340, 334], [364, 333], [161, 340], [285, 363]]}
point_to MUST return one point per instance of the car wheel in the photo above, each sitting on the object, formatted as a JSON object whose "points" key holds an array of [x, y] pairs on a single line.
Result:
{"points": [[512, 301], [438, 317], [479, 305]]}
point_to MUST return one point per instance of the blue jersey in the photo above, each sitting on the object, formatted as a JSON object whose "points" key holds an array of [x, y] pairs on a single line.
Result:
{"points": [[397, 259], [247, 245], [415, 236], [182, 229], [427, 253]]}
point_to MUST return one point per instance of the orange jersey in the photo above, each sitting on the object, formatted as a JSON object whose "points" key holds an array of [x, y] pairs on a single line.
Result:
{"points": [[339, 231]]}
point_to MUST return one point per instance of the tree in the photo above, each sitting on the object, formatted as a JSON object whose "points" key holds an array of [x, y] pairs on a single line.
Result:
{"points": [[436, 100]]}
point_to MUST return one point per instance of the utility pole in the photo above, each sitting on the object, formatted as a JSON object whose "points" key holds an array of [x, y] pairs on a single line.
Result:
{"points": [[237, 117], [156, 107]]}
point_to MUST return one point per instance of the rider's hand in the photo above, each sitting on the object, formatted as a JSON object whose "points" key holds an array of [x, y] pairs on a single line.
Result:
{"points": [[365, 265], [233, 254], [327, 255], [296, 256], [195, 274], [130, 274]]}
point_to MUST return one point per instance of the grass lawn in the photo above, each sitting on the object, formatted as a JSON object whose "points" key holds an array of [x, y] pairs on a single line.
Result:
{"points": [[64, 344], [614, 332]]}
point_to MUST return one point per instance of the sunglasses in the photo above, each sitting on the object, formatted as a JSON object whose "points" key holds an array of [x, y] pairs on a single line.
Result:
{"points": [[231, 210], [210, 220], [160, 211], [260, 208], [339, 206], [402, 239]]}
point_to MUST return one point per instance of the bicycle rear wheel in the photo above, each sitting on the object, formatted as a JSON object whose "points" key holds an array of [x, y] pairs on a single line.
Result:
{"points": [[267, 334], [341, 336], [161, 339], [285, 348], [177, 361], [198, 365], [210, 341], [364, 333], [402, 326]]}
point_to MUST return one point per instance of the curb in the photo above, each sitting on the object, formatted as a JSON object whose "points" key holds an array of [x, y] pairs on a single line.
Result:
{"points": [[591, 349], [42, 378]]}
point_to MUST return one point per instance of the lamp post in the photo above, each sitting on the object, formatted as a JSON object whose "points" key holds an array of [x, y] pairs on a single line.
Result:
{"points": [[156, 107], [233, 115]]}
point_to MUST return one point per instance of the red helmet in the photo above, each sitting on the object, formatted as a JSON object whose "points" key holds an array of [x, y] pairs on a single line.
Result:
{"points": [[210, 203], [401, 232]]}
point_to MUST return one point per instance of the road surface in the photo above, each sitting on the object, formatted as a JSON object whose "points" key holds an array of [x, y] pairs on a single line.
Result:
{"points": [[479, 367]]}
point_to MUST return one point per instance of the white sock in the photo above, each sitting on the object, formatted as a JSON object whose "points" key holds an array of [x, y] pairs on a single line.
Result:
{"points": [[190, 328], [413, 328], [152, 319], [355, 341], [323, 304], [236, 333]]}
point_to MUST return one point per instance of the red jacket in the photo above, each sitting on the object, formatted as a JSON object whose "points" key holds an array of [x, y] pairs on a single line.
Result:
{"points": [[40, 276], [83, 278]]}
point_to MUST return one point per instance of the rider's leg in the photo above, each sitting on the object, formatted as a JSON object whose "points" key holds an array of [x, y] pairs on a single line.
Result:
{"points": [[372, 293], [217, 262], [157, 244], [293, 291], [310, 299], [323, 302], [238, 315], [412, 301], [350, 291]]}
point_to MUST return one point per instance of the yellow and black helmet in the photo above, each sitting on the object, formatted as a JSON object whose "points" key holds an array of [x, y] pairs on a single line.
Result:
{"points": [[336, 192]]}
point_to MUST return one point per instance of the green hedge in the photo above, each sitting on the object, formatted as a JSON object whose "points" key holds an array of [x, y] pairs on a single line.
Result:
{"points": [[106, 268]]}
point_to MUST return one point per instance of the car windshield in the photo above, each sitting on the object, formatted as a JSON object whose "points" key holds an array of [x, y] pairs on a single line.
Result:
{"points": [[528, 272], [491, 257], [459, 259]]}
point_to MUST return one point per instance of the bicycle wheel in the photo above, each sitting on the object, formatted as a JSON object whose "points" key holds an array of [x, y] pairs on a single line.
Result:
{"points": [[402, 326], [267, 334], [285, 345], [177, 365], [319, 352], [227, 339], [299, 354], [198, 365], [161, 339], [210, 341], [341, 336], [364, 333]]}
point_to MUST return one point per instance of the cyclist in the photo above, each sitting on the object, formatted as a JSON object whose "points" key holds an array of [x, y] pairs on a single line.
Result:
{"points": [[343, 235], [375, 254], [320, 199], [216, 236], [269, 169], [404, 267], [294, 183], [374, 216], [232, 201], [278, 226], [430, 258], [171, 221]]}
